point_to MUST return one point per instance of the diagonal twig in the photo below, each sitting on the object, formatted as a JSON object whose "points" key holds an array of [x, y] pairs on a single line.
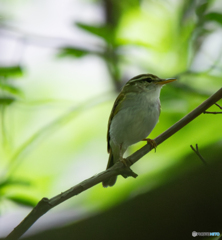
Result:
{"points": [[118, 169], [214, 112], [218, 105], [198, 153]]}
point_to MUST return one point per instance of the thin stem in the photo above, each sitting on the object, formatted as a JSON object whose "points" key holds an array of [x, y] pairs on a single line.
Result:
{"points": [[214, 112], [198, 153], [218, 105]]}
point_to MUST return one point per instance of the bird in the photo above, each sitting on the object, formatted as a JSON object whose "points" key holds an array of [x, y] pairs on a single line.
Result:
{"points": [[134, 115]]}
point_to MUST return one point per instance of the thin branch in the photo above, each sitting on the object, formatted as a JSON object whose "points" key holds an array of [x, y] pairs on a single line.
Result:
{"points": [[218, 105], [198, 153], [214, 112], [118, 169]]}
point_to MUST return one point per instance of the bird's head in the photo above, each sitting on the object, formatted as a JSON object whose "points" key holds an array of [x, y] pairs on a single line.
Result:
{"points": [[147, 82]]}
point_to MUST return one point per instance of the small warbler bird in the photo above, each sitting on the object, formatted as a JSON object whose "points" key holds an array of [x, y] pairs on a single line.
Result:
{"points": [[134, 115]]}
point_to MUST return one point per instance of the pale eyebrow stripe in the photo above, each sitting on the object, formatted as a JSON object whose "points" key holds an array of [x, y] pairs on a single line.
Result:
{"points": [[137, 79]]}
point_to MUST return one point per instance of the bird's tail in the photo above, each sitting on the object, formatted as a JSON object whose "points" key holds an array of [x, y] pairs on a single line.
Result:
{"points": [[110, 181]]}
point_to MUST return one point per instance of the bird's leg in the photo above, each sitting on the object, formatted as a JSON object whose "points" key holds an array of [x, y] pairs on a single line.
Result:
{"points": [[128, 172], [123, 160], [151, 142]]}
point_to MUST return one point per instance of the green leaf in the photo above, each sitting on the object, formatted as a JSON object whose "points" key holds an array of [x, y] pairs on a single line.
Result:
{"points": [[9, 88], [75, 52], [23, 200], [200, 11], [12, 182], [6, 100], [15, 71], [101, 31], [214, 16]]}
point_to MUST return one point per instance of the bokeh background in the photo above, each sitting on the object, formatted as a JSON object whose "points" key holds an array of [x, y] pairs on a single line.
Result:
{"points": [[62, 64]]}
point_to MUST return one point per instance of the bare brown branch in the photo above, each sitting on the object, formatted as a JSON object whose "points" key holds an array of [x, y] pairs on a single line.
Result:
{"points": [[218, 105], [118, 169], [214, 112], [198, 153]]}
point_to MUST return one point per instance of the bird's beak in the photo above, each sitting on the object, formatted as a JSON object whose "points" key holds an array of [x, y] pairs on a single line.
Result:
{"points": [[164, 81]]}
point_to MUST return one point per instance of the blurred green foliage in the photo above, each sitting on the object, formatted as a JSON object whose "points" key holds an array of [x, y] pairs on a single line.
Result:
{"points": [[8, 91], [8, 95], [149, 36], [10, 71]]}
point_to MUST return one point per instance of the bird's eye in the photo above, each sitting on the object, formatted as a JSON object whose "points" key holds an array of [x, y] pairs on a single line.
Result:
{"points": [[149, 80]]}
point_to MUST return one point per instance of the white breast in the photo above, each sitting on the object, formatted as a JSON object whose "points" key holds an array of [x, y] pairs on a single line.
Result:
{"points": [[136, 119]]}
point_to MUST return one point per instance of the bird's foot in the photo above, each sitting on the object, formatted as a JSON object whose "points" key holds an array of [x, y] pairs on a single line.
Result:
{"points": [[124, 161], [151, 142], [128, 172]]}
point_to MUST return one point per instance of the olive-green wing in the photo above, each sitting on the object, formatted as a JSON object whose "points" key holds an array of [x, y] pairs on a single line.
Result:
{"points": [[116, 107]]}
